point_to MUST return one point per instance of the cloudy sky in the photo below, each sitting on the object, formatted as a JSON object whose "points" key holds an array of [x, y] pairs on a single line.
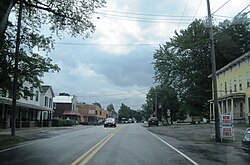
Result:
{"points": [[114, 65]]}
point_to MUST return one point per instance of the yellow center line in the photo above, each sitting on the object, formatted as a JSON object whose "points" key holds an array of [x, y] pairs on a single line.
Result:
{"points": [[96, 148]]}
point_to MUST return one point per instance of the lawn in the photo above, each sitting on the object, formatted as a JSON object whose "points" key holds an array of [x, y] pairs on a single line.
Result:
{"points": [[8, 139]]}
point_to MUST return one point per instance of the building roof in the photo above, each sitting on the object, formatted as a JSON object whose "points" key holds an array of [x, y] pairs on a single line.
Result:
{"points": [[45, 88], [233, 63], [63, 99]]}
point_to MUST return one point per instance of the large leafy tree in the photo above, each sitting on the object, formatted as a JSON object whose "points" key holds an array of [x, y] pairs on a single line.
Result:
{"points": [[184, 61], [159, 99], [111, 110], [97, 104], [72, 17], [184, 64], [124, 111]]}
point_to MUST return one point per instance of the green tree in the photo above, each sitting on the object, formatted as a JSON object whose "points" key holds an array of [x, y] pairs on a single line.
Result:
{"points": [[148, 107], [111, 110], [124, 112], [232, 39], [159, 99], [184, 62], [72, 17], [64, 94], [97, 104]]}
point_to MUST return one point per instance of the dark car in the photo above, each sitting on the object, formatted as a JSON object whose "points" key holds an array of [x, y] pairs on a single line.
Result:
{"points": [[110, 122], [153, 121], [246, 141]]}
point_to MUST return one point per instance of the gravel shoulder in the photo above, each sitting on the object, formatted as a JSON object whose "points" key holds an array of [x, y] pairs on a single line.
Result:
{"points": [[195, 141]]}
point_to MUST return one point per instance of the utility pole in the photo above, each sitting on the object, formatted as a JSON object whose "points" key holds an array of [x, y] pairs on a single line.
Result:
{"points": [[156, 103], [14, 94], [216, 109]]}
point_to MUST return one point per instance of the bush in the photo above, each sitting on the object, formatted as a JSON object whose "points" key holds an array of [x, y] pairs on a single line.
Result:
{"points": [[62, 122]]}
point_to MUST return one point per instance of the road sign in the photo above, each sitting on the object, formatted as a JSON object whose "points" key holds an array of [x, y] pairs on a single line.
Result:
{"points": [[226, 126], [227, 131]]}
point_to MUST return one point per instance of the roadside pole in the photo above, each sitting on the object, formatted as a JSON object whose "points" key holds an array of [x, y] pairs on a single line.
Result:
{"points": [[14, 94], [216, 111]]}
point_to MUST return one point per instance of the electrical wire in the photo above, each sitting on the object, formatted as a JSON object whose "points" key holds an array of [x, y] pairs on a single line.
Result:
{"points": [[183, 13], [145, 14], [88, 44], [220, 7], [197, 9]]}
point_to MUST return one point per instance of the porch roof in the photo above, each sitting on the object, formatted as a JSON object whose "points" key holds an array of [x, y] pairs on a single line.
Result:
{"points": [[8, 101], [232, 95]]}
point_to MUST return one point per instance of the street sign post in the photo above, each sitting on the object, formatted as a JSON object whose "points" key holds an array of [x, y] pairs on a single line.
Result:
{"points": [[226, 126]]}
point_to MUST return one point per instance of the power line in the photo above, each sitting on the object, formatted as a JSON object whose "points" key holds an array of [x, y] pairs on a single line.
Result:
{"points": [[146, 20], [88, 44], [220, 7], [183, 13], [142, 18], [145, 14], [197, 9]]}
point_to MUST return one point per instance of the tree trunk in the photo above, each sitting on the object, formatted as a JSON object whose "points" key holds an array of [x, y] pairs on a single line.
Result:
{"points": [[5, 8]]}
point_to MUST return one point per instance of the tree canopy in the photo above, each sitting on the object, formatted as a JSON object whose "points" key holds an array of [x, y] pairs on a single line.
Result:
{"points": [[97, 104], [126, 112], [72, 17], [183, 63]]}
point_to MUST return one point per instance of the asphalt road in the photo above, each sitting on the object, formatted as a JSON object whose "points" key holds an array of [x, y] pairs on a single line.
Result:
{"points": [[126, 144]]}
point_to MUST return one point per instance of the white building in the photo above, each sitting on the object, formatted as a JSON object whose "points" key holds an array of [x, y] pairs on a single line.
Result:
{"points": [[31, 111]]}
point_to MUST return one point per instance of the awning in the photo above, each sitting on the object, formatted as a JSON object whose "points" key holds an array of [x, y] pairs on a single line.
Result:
{"points": [[69, 112]]}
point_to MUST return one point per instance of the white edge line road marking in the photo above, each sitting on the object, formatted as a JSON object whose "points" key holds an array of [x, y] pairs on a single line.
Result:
{"points": [[182, 154]]}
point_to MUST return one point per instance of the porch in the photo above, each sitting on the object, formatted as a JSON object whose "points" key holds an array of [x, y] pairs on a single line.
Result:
{"points": [[26, 115], [233, 103]]}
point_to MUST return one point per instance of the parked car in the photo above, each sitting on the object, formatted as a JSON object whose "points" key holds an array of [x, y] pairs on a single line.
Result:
{"points": [[246, 141], [153, 121], [110, 122]]}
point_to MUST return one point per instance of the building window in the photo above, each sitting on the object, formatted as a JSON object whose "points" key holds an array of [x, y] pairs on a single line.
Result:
{"points": [[225, 88], [54, 105], [235, 90], [31, 97], [37, 95], [50, 102], [248, 79], [230, 86], [95, 112], [221, 89], [100, 113], [240, 82], [46, 101]]}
